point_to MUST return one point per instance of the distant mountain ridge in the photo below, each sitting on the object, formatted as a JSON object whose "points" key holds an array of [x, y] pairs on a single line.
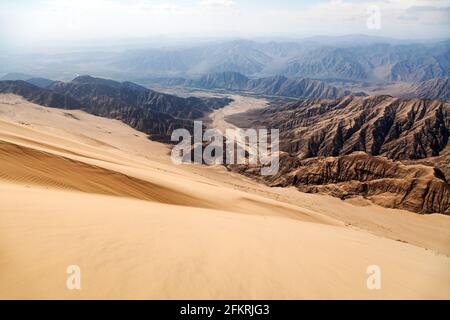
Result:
{"points": [[348, 58], [270, 86], [295, 88], [39, 95], [146, 110], [374, 60]]}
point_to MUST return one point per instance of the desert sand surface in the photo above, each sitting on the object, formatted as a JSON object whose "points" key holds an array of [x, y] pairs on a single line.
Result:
{"points": [[76, 189]]}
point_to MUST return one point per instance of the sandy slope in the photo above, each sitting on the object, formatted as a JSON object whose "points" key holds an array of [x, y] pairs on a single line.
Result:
{"points": [[129, 248], [78, 189]]}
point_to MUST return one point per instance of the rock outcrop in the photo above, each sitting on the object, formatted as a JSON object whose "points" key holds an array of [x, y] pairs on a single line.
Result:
{"points": [[389, 183], [405, 129], [436, 89], [389, 150]]}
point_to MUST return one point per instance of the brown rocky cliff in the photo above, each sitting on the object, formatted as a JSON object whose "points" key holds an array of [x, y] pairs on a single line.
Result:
{"points": [[381, 125], [417, 188]]}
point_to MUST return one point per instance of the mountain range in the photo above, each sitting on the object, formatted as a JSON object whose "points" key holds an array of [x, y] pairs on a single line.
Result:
{"points": [[146, 110], [400, 129], [390, 150], [369, 61], [38, 95], [269, 86], [351, 58]]}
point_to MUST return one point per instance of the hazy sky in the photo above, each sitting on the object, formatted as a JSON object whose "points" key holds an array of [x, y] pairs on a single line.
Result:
{"points": [[57, 22]]}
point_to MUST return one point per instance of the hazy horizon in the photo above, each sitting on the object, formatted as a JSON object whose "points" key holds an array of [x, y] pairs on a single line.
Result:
{"points": [[43, 24]]}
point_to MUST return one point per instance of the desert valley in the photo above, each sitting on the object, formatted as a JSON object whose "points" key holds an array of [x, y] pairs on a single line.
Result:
{"points": [[91, 191], [219, 150]]}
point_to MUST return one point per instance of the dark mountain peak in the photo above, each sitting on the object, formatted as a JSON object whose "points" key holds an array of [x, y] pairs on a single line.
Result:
{"points": [[148, 111], [19, 87], [39, 95], [87, 79], [84, 79], [112, 84]]}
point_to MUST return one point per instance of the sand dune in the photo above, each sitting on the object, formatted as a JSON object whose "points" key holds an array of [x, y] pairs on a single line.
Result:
{"points": [[78, 189], [21, 164], [137, 249]]}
